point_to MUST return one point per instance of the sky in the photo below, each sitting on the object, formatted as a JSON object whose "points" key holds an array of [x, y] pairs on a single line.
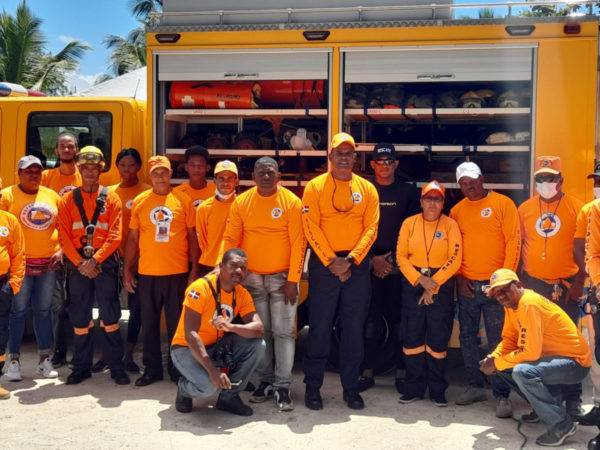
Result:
{"points": [[84, 20]]}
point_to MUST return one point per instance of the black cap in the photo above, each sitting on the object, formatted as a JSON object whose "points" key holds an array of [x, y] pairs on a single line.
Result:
{"points": [[596, 170], [384, 149]]}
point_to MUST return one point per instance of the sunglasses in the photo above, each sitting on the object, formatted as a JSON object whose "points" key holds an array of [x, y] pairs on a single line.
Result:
{"points": [[384, 162]]}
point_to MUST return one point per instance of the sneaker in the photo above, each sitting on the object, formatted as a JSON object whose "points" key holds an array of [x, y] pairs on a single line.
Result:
{"points": [[472, 394], [283, 400], [591, 419], [262, 393], [532, 417], [556, 435], [440, 401], [183, 404], [574, 409], [13, 371], [4, 394], [405, 399], [234, 405], [46, 369], [503, 408]]}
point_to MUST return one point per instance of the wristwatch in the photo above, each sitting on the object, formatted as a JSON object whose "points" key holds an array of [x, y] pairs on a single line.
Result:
{"points": [[350, 259]]}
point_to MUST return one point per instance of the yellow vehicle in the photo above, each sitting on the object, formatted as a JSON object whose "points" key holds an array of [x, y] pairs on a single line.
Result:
{"points": [[29, 125], [498, 92]]}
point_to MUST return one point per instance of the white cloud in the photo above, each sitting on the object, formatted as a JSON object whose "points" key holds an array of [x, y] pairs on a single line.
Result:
{"points": [[65, 38], [79, 82]]}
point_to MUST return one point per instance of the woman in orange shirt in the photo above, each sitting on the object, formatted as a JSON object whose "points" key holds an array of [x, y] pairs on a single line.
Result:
{"points": [[429, 253]]}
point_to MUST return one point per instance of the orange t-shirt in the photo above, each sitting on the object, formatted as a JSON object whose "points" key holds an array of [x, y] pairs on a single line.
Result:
{"points": [[12, 250], [592, 244], [107, 236], [59, 183], [199, 298], [548, 235], [443, 240], [162, 222], [340, 216], [127, 195], [197, 195], [269, 230], [582, 220], [536, 329], [491, 223], [37, 214], [211, 218]]}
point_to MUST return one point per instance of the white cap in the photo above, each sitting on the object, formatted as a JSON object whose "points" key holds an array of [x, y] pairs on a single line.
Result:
{"points": [[468, 169], [28, 161]]}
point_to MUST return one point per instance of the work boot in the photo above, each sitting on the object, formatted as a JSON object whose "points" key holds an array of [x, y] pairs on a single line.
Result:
{"points": [[4, 394], [592, 418], [262, 393], [574, 409], [77, 376], [353, 400], [312, 398], [365, 383], [234, 405], [557, 434], [183, 404], [503, 408], [472, 394], [120, 376], [594, 443]]}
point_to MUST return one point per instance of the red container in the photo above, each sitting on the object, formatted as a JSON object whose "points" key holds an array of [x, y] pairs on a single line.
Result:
{"points": [[189, 94]]}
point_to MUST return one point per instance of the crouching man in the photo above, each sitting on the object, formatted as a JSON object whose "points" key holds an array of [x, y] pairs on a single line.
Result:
{"points": [[541, 349], [210, 351]]}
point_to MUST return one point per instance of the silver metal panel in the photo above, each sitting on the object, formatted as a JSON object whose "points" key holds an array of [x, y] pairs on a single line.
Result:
{"points": [[436, 64], [265, 64]]}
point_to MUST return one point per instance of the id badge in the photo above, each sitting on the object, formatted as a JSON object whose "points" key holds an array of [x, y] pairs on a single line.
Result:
{"points": [[162, 232]]}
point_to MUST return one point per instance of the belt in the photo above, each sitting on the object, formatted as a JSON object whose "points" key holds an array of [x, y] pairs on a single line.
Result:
{"points": [[563, 281]]}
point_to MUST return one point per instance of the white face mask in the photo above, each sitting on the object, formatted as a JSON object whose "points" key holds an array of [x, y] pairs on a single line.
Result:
{"points": [[597, 192], [224, 196], [546, 190]]}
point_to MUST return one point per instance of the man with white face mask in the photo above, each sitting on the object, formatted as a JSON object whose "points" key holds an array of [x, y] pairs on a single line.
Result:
{"points": [[550, 267]]}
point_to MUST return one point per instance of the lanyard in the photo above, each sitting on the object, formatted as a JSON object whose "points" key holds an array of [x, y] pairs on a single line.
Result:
{"points": [[333, 196], [217, 296], [428, 250], [541, 224]]}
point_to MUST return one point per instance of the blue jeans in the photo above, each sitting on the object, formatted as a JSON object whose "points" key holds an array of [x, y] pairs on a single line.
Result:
{"points": [[36, 291], [194, 380], [469, 315], [539, 382]]}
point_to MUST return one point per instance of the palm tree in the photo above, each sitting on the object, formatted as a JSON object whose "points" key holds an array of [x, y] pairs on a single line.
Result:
{"points": [[127, 53], [142, 8], [24, 59]]}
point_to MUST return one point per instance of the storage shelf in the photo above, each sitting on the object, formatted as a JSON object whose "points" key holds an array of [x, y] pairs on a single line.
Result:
{"points": [[287, 183], [238, 152], [185, 114], [495, 186], [403, 148], [383, 114]]}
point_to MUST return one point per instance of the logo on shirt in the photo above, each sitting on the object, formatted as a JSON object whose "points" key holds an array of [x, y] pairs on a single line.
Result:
{"points": [[194, 295], [161, 215], [276, 213], [3, 231], [197, 203], [438, 234], [547, 225], [357, 197], [227, 312], [129, 204], [37, 216], [66, 189], [486, 212]]}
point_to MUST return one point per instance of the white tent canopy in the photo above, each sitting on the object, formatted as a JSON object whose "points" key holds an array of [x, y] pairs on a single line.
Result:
{"points": [[131, 85]]}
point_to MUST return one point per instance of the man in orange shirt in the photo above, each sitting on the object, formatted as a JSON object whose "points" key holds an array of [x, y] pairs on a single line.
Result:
{"points": [[89, 230], [548, 224], [36, 207], [541, 350], [12, 271], [265, 222], [209, 349], [196, 165], [61, 180], [486, 220], [211, 216], [162, 233], [340, 215]]}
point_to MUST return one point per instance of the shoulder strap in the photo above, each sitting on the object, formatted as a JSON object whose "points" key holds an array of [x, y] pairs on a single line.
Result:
{"points": [[78, 199], [100, 202], [217, 296]]}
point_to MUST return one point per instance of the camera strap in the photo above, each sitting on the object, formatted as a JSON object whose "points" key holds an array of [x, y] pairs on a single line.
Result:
{"points": [[216, 292]]}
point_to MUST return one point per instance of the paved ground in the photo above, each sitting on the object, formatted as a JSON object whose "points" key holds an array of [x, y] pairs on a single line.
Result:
{"points": [[99, 414]]}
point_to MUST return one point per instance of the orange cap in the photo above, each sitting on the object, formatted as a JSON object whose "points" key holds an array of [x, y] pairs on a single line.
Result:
{"points": [[156, 162], [342, 138], [501, 277], [547, 164], [433, 186]]}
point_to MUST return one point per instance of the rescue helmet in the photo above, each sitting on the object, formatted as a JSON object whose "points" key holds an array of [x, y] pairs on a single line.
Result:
{"points": [[90, 155]]}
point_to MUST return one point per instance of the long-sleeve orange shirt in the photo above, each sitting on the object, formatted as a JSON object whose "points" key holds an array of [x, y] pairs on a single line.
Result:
{"points": [[491, 223], [211, 219], [548, 231], [12, 250], [340, 216], [269, 230], [592, 243], [536, 329], [442, 239], [107, 236], [59, 183]]}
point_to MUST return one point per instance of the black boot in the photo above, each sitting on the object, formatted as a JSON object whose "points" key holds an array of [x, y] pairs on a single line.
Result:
{"points": [[592, 418], [594, 443]]}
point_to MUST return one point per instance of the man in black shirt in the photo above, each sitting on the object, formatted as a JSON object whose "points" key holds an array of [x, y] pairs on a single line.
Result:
{"points": [[398, 199]]}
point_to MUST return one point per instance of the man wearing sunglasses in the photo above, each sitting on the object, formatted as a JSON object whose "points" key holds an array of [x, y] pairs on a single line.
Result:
{"points": [[541, 350], [340, 215], [398, 199]]}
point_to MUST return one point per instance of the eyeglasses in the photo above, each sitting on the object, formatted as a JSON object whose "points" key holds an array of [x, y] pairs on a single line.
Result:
{"points": [[384, 162]]}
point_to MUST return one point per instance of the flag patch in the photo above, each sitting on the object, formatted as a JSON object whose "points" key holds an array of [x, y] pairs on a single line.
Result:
{"points": [[305, 209], [194, 294]]}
